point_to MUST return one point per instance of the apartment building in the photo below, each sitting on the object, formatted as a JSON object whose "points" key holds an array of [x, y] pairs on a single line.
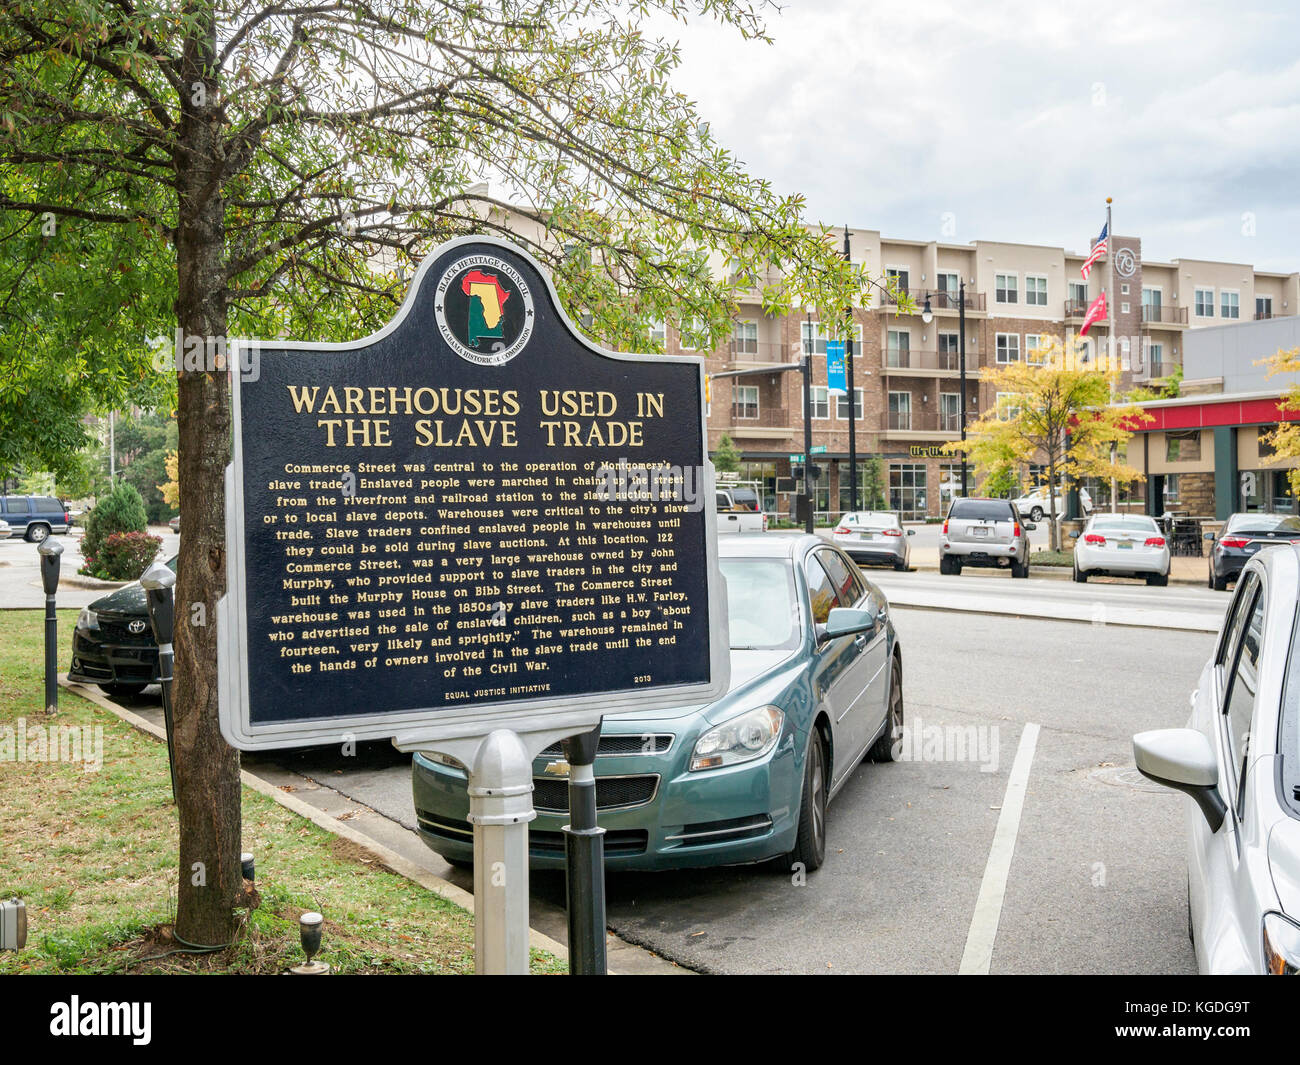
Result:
{"points": [[907, 372]]}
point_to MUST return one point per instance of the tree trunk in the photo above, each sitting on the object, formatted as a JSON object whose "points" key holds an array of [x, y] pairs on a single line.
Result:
{"points": [[207, 772], [1053, 528]]}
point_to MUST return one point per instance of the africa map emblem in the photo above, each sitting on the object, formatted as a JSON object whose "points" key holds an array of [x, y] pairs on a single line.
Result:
{"points": [[484, 309]]}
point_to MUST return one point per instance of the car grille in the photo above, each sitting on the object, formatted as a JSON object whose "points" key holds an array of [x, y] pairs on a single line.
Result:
{"points": [[630, 743], [729, 831], [612, 793], [624, 841], [113, 628]]}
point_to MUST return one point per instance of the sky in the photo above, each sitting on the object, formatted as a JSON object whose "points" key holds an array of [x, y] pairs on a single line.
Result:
{"points": [[976, 120]]}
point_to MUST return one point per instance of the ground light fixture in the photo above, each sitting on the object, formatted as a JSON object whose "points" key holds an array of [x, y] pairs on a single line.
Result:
{"points": [[310, 925]]}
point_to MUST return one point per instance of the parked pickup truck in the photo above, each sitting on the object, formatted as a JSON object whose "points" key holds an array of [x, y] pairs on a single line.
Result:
{"points": [[735, 518]]}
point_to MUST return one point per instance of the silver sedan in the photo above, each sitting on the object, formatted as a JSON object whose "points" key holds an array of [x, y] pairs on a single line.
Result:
{"points": [[1239, 761], [873, 538], [1121, 545]]}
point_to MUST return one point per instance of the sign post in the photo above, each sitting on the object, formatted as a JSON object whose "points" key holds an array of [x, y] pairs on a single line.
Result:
{"points": [[473, 533]]}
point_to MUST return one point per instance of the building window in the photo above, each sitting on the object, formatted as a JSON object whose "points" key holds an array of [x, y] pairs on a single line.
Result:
{"points": [[898, 345], [907, 490], [1155, 359], [1079, 293], [1231, 304], [949, 351], [1183, 446], [842, 406], [949, 412], [1204, 303], [813, 338], [1263, 307], [1035, 290], [1124, 307], [1008, 406], [694, 334], [1005, 285], [897, 277], [949, 484], [1123, 289], [1171, 489], [1008, 347], [821, 406], [1036, 345], [744, 401], [745, 339], [900, 410], [658, 333], [948, 283]]}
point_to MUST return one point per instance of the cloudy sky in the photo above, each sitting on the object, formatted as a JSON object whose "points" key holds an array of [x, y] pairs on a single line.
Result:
{"points": [[1014, 121]]}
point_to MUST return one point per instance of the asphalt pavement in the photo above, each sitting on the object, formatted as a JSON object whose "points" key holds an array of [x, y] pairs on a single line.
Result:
{"points": [[20, 571]]}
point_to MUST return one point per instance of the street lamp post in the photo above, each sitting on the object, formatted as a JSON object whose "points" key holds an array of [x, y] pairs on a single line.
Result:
{"points": [[853, 397], [927, 316], [808, 490]]}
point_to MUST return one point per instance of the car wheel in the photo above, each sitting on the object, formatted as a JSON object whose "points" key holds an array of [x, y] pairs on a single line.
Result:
{"points": [[1158, 580], [1036, 514], [901, 567], [1080, 576], [945, 565], [118, 688], [883, 751], [1220, 584], [37, 533], [1018, 570], [810, 845]]}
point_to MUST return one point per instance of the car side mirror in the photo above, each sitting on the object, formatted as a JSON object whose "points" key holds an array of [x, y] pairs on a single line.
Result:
{"points": [[1030, 526], [1074, 534], [911, 532], [846, 621], [1208, 536], [1182, 759]]}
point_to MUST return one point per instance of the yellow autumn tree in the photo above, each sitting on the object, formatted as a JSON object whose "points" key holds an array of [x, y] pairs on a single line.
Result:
{"points": [[171, 491], [1057, 412], [1285, 439]]}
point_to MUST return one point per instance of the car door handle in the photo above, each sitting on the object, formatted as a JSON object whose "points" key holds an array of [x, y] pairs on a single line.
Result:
{"points": [[860, 640]]}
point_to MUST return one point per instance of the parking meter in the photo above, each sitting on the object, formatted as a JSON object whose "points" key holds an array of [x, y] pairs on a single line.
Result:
{"points": [[158, 582], [51, 552]]}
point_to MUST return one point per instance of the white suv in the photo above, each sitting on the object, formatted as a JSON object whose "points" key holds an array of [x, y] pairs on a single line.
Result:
{"points": [[984, 532], [1036, 506]]}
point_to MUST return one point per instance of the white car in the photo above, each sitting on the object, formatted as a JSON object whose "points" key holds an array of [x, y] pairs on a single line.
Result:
{"points": [[1036, 507], [1237, 762], [1121, 545]]}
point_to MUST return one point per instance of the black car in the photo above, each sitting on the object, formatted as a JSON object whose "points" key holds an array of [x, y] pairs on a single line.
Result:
{"points": [[34, 517], [1241, 536], [113, 645]]}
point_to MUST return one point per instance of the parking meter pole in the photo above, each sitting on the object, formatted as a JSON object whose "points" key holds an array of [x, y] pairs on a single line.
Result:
{"points": [[51, 552], [584, 860], [158, 582], [500, 807]]}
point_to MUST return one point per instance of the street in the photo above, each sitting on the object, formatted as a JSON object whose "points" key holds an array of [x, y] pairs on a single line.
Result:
{"points": [[1096, 880]]}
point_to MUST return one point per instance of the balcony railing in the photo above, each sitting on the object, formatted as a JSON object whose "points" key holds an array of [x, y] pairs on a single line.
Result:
{"points": [[928, 360], [941, 299], [921, 421], [1261, 316], [1077, 308], [1163, 315], [759, 351], [745, 416]]}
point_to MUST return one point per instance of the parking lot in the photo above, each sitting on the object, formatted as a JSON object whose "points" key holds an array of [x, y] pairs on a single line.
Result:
{"points": [[1092, 883]]}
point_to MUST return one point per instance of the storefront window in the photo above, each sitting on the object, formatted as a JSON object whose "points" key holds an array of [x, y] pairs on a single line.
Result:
{"points": [[907, 490], [765, 474]]}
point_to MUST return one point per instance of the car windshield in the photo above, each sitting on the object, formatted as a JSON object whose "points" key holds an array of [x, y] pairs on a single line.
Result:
{"points": [[1264, 524], [761, 603], [1125, 523], [981, 509]]}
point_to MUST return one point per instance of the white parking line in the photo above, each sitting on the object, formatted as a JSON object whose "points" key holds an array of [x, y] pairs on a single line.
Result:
{"points": [[978, 956]]}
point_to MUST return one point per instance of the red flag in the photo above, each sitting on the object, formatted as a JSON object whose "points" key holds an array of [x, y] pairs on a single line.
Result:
{"points": [[1096, 312]]}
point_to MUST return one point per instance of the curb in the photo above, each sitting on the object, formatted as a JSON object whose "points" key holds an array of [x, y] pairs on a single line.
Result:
{"points": [[391, 859], [93, 583], [1063, 573]]}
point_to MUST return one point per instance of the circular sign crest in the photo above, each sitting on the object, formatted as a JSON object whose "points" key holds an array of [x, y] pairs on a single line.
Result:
{"points": [[484, 309], [1125, 262]]}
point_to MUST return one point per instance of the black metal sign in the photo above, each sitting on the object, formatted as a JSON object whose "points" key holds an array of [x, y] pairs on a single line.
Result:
{"points": [[472, 519]]}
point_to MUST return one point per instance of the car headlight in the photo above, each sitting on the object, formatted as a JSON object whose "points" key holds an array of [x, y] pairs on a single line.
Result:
{"points": [[742, 739], [443, 759], [1281, 946], [87, 619]]}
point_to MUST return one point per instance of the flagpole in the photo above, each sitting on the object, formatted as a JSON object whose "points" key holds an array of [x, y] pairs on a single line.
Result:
{"points": [[1113, 342]]}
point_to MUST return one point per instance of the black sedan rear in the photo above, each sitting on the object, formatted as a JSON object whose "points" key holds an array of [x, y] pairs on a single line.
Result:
{"points": [[1241, 537], [113, 645]]}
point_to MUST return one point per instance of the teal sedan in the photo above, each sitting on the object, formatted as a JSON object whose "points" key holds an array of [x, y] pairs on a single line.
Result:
{"points": [[816, 685]]}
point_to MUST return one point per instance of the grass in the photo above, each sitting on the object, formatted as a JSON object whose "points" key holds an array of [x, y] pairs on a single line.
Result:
{"points": [[1043, 557], [93, 854]]}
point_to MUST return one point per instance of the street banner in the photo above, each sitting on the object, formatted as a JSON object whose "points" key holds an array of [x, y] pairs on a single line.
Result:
{"points": [[837, 383]]}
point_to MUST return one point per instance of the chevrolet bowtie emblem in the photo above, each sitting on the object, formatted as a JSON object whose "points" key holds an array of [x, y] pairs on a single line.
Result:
{"points": [[557, 769]]}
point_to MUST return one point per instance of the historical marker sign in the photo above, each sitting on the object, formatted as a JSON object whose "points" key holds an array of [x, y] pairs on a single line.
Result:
{"points": [[473, 519]]}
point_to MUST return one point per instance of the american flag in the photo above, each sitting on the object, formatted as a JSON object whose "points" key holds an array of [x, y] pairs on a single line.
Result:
{"points": [[1096, 312], [1098, 250]]}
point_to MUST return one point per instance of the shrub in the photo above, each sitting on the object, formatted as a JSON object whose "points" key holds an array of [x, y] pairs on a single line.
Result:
{"points": [[121, 511], [124, 556]]}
